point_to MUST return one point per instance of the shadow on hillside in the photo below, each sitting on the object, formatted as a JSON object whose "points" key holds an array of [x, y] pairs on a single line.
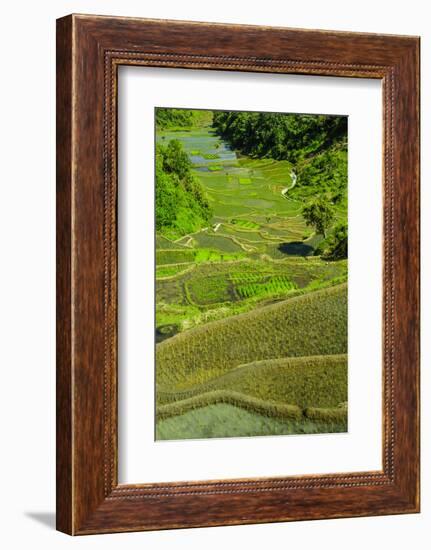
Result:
{"points": [[296, 249], [165, 331]]}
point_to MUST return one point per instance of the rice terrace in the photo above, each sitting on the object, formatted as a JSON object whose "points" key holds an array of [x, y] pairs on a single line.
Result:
{"points": [[251, 274]]}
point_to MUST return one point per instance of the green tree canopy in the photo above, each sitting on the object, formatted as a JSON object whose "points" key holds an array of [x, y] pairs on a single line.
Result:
{"points": [[334, 247], [280, 136], [181, 204], [319, 214], [168, 118]]}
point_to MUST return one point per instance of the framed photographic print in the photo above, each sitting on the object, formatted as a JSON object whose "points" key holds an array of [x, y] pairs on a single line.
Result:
{"points": [[237, 274]]}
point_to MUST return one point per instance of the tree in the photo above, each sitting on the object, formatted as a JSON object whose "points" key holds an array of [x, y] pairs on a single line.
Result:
{"points": [[171, 118], [292, 137], [175, 159], [336, 248], [181, 204], [319, 214]]}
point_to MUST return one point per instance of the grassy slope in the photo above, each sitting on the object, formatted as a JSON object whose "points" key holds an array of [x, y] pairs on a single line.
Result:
{"points": [[304, 381], [225, 420], [230, 397], [307, 389], [251, 404], [313, 324]]}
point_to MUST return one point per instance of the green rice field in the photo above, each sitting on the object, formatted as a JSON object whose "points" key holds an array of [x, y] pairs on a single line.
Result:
{"points": [[251, 320]]}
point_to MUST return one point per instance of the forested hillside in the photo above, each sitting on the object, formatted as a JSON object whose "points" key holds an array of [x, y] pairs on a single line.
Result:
{"points": [[181, 204], [168, 119], [280, 136]]}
